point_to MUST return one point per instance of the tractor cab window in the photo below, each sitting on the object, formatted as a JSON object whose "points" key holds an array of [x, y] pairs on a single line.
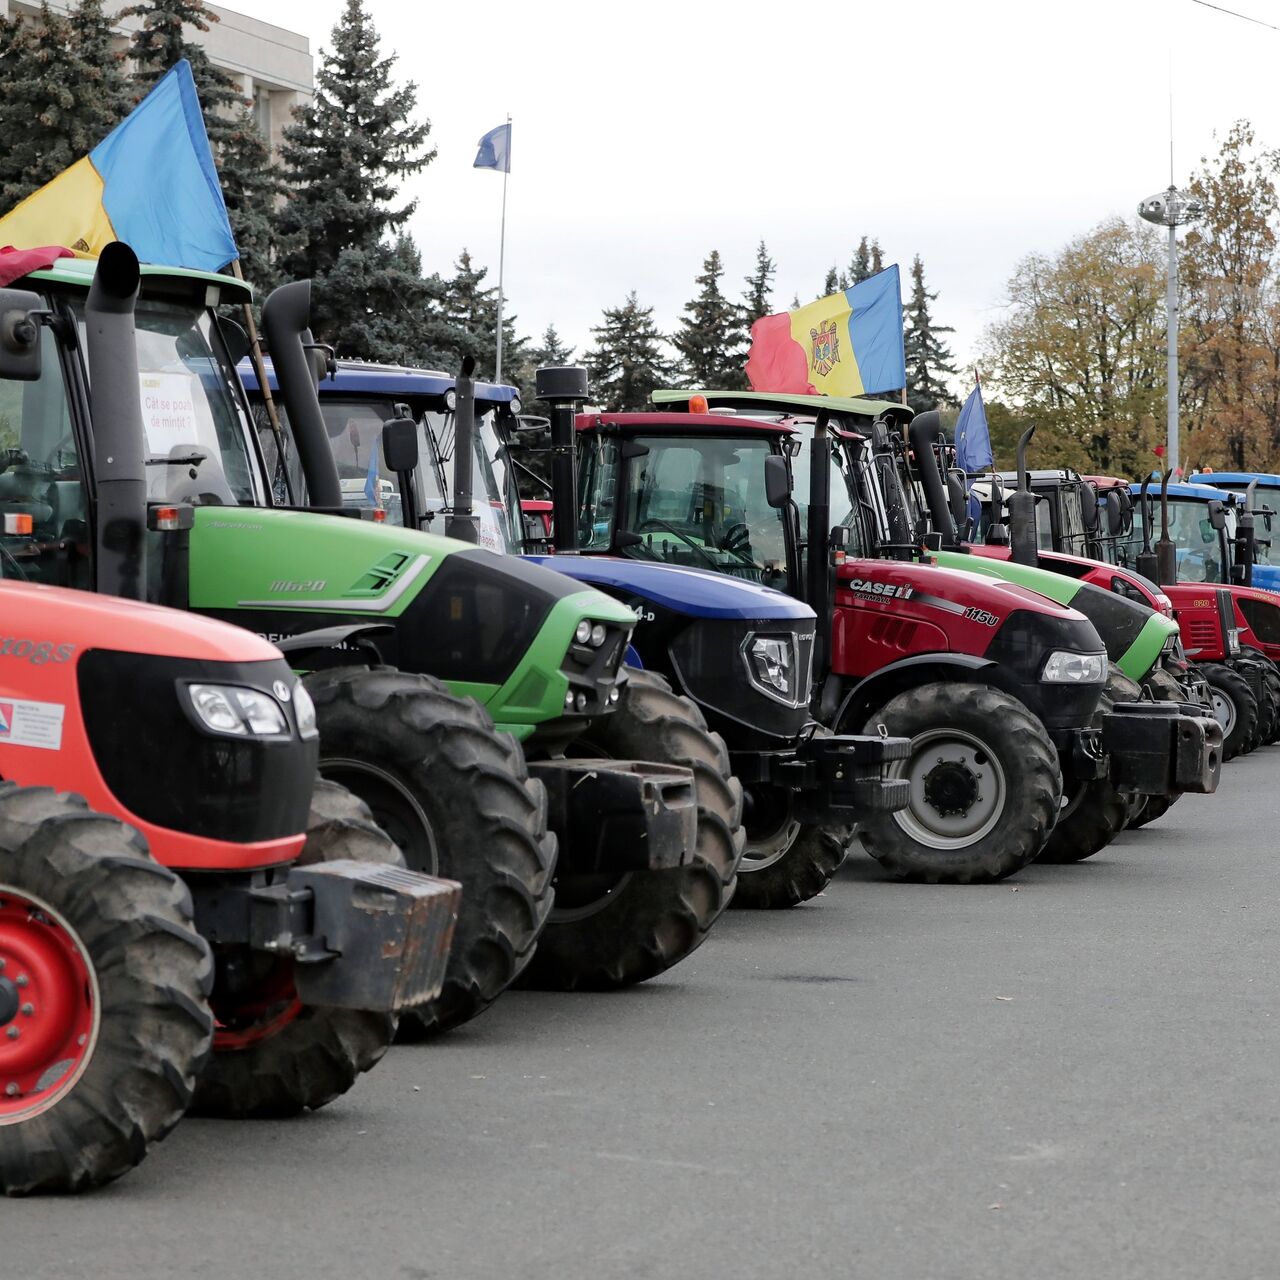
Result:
{"points": [[196, 444], [488, 500], [1072, 536], [41, 481], [1044, 524], [597, 489], [701, 503], [1198, 544]]}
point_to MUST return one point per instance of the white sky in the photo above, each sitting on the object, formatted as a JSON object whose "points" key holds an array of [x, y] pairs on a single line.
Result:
{"points": [[644, 135]]}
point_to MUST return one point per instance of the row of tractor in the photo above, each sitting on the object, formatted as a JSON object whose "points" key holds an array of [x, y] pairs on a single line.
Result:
{"points": [[336, 698]]}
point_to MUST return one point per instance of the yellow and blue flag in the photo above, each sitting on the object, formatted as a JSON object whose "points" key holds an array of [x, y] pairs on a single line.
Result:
{"points": [[150, 182], [847, 344]]}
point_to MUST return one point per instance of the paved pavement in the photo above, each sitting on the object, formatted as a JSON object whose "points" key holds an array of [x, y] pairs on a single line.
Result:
{"points": [[1072, 1074]]}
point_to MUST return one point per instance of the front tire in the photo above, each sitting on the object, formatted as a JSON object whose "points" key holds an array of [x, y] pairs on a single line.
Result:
{"points": [[1234, 707], [965, 737], [273, 1056], [455, 795], [787, 862], [1096, 812], [608, 931], [107, 984]]}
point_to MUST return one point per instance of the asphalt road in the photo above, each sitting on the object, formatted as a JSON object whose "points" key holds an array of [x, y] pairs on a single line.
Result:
{"points": [[1069, 1074]]}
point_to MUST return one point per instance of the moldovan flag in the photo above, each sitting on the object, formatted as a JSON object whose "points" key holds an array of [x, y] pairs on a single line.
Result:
{"points": [[848, 344], [150, 182]]}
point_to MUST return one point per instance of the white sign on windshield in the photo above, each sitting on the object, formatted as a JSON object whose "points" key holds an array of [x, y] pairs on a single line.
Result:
{"points": [[168, 411]]}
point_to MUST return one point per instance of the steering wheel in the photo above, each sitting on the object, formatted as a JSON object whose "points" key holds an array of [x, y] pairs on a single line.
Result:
{"points": [[684, 537], [737, 538]]}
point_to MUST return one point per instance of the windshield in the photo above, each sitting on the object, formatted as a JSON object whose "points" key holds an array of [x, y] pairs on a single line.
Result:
{"points": [[701, 503], [197, 450], [488, 500], [1199, 546]]}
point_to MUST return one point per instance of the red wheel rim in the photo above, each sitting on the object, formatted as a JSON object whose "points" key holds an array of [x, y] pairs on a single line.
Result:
{"points": [[240, 1023], [49, 1007]]}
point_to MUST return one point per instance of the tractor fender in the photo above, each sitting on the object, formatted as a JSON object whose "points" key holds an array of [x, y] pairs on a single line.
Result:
{"points": [[324, 639], [923, 668]]}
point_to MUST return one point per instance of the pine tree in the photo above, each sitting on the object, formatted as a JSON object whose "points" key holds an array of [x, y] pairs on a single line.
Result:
{"points": [[928, 357], [760, 285], [552, 351], [860, 265], [348, 152], [251, 186], [877, 258], [627, 363], [161, 41], [831, 284], [711, 338], [62, 90]]}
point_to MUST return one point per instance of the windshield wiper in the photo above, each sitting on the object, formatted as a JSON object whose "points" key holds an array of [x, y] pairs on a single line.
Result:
{"points": [[185, 460]]}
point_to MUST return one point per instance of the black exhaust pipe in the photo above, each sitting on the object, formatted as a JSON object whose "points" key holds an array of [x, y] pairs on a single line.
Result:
{"points": [[118, 433], [565, 389], [462, 524], [1148, 565], [1023, 543], [286, 320], [1166, 551], [923, 434]]}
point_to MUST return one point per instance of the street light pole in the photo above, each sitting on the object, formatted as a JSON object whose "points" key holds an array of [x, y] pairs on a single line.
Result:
{"points": [[1172, 209]]}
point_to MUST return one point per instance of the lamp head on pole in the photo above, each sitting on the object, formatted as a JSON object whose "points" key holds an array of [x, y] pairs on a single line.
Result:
{"points": [[1171, 208]]}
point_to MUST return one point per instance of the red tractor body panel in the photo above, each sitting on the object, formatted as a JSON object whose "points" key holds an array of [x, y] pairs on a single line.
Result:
{"points": [[45, 632], [1195, 607]]}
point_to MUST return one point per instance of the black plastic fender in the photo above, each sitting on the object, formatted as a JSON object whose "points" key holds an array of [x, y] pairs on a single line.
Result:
{"points": [[876, 689]]}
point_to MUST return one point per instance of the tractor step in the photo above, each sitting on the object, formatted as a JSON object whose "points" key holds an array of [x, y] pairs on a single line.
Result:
{"points": [[619, 815]]}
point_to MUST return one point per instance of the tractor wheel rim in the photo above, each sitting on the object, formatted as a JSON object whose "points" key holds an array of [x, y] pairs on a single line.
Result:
{"points": [[50, 1005], [580, 897], [246, 1018], [961, 753], [1224, 710], [767, 846], [395, 808]]}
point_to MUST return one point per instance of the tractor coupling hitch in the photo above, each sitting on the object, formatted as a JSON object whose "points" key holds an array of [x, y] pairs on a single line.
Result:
{"points": [[362, 935], [1162, 748], [832, 774], [619, 815]]}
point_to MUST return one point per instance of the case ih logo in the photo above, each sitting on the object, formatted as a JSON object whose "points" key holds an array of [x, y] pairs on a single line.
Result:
{"points": [[881, 590], [826, 347]]}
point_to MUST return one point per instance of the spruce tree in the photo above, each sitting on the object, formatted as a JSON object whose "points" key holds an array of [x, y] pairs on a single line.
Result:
{"points": [[860, 264], [928, 357], [469, 310], [877, 258], [62, 90], [831, 284], [251, 186], [711, 338], [760, 285], [552, 351], [345, 157], [627, 363], [161, 41]]}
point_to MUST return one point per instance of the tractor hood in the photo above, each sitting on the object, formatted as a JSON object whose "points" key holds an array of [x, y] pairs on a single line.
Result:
{"points": [[693, 592]]}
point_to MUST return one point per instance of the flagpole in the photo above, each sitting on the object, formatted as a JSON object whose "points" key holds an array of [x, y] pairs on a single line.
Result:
{"points": [[502, 251], [260, 369]]}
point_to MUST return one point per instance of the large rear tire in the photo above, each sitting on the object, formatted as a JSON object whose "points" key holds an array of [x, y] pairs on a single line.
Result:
{"points": [[105, 983], [1271, 678], [272, 1055], [786, 862], [455, 795], [965, 737], [1234, 707], [1096, 812], [609, 931]]}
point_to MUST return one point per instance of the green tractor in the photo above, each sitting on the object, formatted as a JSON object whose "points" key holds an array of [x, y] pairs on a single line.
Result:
{"points": [[414, 646]]}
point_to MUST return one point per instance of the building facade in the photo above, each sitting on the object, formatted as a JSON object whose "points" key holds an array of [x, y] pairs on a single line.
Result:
{"points": [[274, 66]]}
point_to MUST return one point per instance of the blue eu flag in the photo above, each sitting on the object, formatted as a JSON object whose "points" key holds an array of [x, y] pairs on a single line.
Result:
{"points": [[495, 149], [973, 441]]}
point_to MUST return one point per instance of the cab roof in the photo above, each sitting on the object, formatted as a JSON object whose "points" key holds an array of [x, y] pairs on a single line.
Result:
{"points": [[637, 423], [366, 378], [1203, 492], [1265, 479], [790, 402], [78, 273]]}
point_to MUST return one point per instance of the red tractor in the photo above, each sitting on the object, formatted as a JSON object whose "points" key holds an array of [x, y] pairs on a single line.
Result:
{"points": [[188, 918]]}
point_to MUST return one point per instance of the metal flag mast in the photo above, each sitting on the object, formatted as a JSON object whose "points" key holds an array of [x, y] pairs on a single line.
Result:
{"points": [[502, 252]]}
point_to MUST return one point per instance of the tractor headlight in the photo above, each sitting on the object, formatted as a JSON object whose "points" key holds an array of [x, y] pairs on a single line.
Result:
{"points": [[1065, 667], [1233, 640], [305, 710], [769, 663], [237, 712], [582, 633]]}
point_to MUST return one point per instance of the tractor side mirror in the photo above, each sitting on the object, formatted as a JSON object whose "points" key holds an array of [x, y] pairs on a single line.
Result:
{"points": [[957, 499], [1117, 513], [20, 315], [234, 338], [1089, 507], [400, 445], [1217, 514], [777, 481]]}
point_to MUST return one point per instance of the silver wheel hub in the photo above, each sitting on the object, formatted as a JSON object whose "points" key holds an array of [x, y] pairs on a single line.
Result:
{"points": [[1224, 710], [958, 789]]}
